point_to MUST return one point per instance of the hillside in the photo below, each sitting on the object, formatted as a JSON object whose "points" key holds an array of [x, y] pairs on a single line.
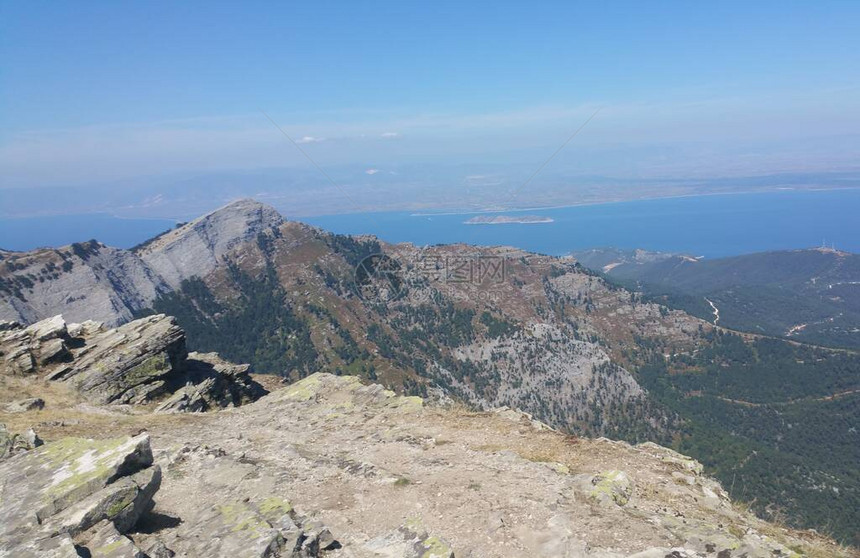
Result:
{"points": [[489, 327], [808, 295]]}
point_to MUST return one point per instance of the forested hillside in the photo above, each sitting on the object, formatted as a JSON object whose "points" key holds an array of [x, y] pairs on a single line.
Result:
{"points": [[807, 295], [776, 423]]}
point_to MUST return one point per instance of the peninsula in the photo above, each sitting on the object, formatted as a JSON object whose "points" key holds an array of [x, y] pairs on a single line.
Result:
{"points": [[507, 219]]}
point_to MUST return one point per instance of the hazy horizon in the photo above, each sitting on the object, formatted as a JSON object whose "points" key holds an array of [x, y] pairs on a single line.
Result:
{"points": [[409, 104]]}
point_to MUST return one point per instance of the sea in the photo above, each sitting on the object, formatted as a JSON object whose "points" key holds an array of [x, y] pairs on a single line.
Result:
{"points": [[711, 226], [28, 233]]}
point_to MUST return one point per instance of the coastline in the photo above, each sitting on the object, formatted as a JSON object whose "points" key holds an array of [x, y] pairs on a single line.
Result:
{"points": [[628, 200], [509, 220]]}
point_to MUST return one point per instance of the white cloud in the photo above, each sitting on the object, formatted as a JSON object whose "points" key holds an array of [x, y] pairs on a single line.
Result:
{"points": [[371, 171], [310, 139], [390, 135]]}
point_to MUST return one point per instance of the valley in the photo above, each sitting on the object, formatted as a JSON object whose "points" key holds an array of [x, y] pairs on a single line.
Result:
{"points": [[811, 296]]}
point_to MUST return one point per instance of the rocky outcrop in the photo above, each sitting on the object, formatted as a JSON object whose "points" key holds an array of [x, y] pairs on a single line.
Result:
{"points": [[12, 444], [410, 540], [129, 364], [55, 493], [392, 477], [24, 350], [142, 361], [24, 405], [607, 487], [212, 383], [266, 528], [329, 467], [78, 497]]}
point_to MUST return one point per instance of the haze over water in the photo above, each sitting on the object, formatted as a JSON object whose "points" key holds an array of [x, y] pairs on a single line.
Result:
{"points": [[710, 226]]}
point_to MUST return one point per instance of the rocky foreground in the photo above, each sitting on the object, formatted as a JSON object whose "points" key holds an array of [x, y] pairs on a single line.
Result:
{"points": [[139, 363], [331, 467]]}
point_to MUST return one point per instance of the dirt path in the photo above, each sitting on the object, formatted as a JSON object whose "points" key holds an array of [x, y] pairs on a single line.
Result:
{"points": [[716, 311], [832, 397]]}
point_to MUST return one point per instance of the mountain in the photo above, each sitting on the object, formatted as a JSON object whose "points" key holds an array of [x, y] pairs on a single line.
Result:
{"points": [[808, 295], [91, 281], [489, 327]]}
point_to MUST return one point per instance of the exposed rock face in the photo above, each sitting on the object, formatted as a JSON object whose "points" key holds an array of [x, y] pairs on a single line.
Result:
{"points": [[410, 540], [130, 364], [60, 490], [92, 281], [138, 362], [195, 249], [25, 349], [212, 383], [572, 366], [82, 281], [329, 467]]}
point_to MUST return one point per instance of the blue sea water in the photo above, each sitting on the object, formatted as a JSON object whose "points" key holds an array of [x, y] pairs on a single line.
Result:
{"points": [[36, 232], [710, 226]]}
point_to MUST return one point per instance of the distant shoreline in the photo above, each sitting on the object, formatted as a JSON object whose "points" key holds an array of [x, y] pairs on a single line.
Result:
{"points": [[776, 190], [508, 220]]}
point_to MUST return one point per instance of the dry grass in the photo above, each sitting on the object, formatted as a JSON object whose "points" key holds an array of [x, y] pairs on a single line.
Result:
{"points": [[66, 414]]}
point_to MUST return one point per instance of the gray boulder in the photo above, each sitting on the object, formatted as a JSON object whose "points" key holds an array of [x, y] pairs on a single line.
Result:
{"points": [[410, 540], [606, 487], [13, 444], [50, 328], [107, 542], [60, 489], [24, 405]]}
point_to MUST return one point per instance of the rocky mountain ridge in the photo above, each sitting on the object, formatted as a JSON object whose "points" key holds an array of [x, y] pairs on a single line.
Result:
{"points": [[91, 281]]}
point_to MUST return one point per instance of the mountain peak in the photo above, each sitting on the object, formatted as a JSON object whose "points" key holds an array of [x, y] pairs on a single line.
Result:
{"points": [[195, 248], [242, 204]]}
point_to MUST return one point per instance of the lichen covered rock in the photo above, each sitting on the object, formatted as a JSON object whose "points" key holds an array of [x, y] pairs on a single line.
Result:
{"points": [[252, 529], [410, 540], [64, 487], [12, 444], [607, 487], [136, 363], [24, 405]]}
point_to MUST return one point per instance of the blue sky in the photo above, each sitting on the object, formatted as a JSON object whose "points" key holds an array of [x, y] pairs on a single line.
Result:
{"points": [[95, 91]]}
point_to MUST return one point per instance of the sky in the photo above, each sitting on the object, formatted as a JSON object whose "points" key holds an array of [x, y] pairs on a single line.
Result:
{"points": [[94, 92]]}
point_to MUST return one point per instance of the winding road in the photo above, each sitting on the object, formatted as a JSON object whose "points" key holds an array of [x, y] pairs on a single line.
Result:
{"points": [[716, 311]]}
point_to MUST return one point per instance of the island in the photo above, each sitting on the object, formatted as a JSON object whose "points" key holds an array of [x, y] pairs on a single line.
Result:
{"points": [[507, 219]]}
